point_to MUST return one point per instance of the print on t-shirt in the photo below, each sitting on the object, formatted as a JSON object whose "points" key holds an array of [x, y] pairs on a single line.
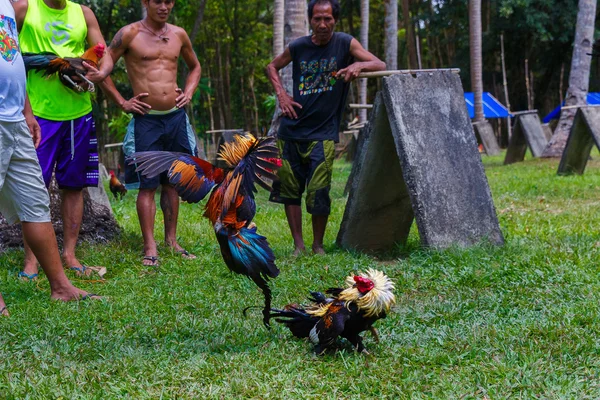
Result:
{"points": [[317, 76], [9, 48]]}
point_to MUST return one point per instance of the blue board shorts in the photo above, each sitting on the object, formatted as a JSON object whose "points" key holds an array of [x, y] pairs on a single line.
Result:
{"points": [[157, 131], [23, 195]]}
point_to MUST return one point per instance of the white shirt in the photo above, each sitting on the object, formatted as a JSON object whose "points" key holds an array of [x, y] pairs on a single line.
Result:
{"points": [[12, 69]]}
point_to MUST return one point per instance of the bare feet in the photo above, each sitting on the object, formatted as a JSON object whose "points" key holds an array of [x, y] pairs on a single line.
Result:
{"points": [[298, 251], [3, 310], [73, 294], [318, 249]]}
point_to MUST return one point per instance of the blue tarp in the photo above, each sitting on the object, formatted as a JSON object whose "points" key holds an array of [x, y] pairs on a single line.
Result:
{"points": [[592, 98], [492, 108]]}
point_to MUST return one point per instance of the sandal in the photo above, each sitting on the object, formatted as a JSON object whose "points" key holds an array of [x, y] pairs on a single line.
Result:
{"points": [[153, 259], [27, 277]]}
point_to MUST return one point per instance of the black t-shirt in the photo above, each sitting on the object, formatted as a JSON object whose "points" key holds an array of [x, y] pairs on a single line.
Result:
{"points": [[316, 88]]}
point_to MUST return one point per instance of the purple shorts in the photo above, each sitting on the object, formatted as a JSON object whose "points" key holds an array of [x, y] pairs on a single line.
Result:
{"points": [[71, 147]]}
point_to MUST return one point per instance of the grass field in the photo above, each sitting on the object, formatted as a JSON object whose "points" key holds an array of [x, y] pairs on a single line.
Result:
{"points": [[518, 321]]}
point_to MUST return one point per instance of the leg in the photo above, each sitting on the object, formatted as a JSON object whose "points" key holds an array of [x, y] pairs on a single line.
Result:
{"points": [[318, 201], [3, 310], [294, 218], [31, 263], [169, 204], [40, 236], [71, 208], [47, 153], [146, 210], [289, 188], [319, 223]]}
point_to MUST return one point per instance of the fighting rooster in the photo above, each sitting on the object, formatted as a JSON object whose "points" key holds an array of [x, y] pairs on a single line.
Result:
{"points": [[68, 68], [116, 187], [231, 206], [348, 312]]}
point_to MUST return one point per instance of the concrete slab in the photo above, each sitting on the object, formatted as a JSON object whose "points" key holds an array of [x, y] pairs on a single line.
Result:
{"points": [[528, 132], [585, 132], [422, 161], [485, 133]]}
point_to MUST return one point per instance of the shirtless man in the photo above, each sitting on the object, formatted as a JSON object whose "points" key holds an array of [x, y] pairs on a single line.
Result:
{"points": [[151, 48]]}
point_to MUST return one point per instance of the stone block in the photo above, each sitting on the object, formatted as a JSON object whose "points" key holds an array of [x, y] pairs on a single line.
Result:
{"points": [[419, 160], [528, 132], [585, 132], [485, 133]]}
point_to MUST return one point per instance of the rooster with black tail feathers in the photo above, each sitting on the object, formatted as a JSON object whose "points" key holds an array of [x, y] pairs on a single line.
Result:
{"points": [[346, 313], [231, 206]]}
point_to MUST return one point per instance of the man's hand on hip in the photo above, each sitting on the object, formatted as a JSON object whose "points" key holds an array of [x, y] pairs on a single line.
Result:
{"points": [[182, 100], [135, 105], [287, 104]]}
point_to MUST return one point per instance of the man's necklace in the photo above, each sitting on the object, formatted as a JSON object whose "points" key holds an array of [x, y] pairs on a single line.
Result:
{"points": [[161, 35]]}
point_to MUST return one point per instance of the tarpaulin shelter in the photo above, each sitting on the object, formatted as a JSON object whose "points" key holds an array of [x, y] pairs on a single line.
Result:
{"points": [[592, 99], [492, 108]]}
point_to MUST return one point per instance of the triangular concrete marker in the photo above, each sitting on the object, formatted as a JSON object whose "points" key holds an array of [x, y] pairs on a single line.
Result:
{"points": [[585, 132], [485, 132], [419, 159], [528, 132]]}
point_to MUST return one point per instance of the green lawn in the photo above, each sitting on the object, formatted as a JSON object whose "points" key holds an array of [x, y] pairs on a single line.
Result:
{"points": [[518, 321]]}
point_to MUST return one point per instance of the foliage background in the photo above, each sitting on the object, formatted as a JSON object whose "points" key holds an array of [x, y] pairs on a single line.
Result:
{"points": [[233, 44]]}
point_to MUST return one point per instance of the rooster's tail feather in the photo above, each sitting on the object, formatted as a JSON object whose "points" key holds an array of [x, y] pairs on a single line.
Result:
{"points": [[299, 322]]}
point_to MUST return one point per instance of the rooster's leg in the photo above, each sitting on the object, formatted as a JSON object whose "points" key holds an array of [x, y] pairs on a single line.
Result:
{"points": [[375, 334], [76, 86], [91, 87]]}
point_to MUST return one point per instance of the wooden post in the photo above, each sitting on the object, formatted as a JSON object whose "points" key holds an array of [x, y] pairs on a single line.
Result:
{"points": [[505, 86]]}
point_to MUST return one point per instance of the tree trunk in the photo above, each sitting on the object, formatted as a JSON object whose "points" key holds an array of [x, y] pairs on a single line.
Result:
{"points": [[579, 78], [391, 34], [410, 35], [278, 13], [476, 61], [364, 40], [296, 25]]}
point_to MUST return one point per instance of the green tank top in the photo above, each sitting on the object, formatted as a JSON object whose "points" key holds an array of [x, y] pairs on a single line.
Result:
{"points": [[63, 32]]}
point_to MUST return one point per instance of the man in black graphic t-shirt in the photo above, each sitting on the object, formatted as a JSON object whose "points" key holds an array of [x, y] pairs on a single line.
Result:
{"points": [[323, 65]]}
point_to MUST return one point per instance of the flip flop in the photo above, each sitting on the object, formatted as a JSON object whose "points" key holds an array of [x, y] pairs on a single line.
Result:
{"points": [[80, 270], [29, 277], [90, 296], [186, 254], [154, 259], [2, 311]]}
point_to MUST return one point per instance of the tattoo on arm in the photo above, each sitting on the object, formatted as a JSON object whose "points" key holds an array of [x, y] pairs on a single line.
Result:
{"points": [[117, 40]]}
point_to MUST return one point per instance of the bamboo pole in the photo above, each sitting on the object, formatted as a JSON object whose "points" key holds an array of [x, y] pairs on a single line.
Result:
{"points": [[379, 74], [505, 86]]}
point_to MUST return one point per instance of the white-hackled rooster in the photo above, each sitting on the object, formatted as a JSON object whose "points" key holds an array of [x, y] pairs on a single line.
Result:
{"points": [[348, 312]]}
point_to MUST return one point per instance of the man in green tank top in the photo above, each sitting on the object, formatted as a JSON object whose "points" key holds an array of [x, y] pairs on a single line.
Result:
{"points": [[69, 145]]}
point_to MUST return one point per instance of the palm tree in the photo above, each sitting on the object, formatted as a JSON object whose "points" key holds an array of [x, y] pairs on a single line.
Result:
{"points": [[391, 34], [364, 40], [475, 49], [579, 77], [410, 35], [278, 11], [294, 25]]}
